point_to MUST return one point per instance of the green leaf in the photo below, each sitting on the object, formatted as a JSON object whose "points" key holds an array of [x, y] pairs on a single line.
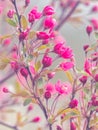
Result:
{"points": [[4, 62], [27, 101], [96, 35], [11, 22], [69, 76], [96, 85], [42, 47], [24, 22], [31, 34], [37, 65]]}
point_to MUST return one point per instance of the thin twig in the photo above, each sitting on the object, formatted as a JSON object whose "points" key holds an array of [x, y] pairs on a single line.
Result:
{"points": [[66, 17], [7, 77], [9, 126]]}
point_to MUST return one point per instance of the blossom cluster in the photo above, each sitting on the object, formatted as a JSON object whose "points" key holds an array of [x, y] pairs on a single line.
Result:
{"points": [[36, 53]]}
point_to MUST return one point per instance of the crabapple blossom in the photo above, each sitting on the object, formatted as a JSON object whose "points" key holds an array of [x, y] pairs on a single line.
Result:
{"points": [[5, 90], [36, 119], [14, 66], [10, 13], [96, 77], [42, 35], [47, 95], [7, 41], [95, 8], [50, 87], [73, 103], [48, 10], [24, 72], [63, 88], [47, 61], [30, 108], [63, 51], [49, 22], [72, 126], [89, 29], [66, 65], [23, 35], [51, 75], [83, 79], [27, 2]]}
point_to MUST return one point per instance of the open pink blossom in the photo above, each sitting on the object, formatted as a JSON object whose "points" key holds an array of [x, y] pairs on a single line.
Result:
{"points": [[48, 10], [63, 51], [49, 22], [67, 53], [49, 87], [36, 13], [66, 65], [59, 39], [42, 35], [63, 88]]}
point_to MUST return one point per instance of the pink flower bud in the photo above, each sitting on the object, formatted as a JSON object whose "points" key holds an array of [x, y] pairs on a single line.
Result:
{"points": [[85, 47], [95, 102], [7, 41], [31, 18], [23, 35], [30, 108], [15, 48], [73, 103], [96, 77], [47, 61], [89, 29], [5, 90], [49, 22], [24, 72], [48, 10], [42, 35], [95, 8], [35, 12], [66, 65], [72, 126], [36, 119], [95, 23], [51, 75], [47, 95], [14, 66], [10, 13], [57, 47], [93, 97], [83, 79], [27, 2], [58, 128]]}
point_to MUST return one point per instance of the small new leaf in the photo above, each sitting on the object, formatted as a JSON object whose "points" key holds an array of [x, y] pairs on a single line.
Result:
{"points": [[24, 22], [37, 65], [11, 22], [27, 101]]}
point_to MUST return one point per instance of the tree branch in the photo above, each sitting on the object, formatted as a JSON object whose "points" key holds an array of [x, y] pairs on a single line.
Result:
{"points": [[9, 126]]}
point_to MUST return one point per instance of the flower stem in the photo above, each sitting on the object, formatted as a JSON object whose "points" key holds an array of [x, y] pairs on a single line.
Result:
{"points": [[9, 126], [7, 77]]}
